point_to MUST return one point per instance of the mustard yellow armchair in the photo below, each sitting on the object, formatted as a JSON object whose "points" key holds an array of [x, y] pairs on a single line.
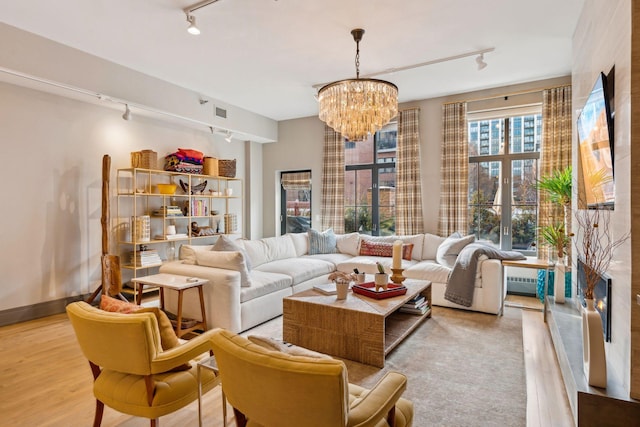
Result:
{"points": [[273, 389], [132, 374]]}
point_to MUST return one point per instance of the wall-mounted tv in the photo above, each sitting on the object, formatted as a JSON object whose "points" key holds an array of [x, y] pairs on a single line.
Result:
{"points": [[595, 133]]}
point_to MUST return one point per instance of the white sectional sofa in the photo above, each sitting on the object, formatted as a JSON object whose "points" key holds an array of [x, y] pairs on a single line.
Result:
{"points": [[247, 285]]}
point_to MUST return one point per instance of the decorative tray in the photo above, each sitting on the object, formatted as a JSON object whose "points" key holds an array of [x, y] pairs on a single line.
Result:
{"points": [[368, 289]]}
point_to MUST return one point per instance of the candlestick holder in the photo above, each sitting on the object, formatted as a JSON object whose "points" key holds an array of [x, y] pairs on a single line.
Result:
{"points": [[397, 276]]}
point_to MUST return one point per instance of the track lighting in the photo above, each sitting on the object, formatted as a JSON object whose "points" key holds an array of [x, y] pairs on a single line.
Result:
{"points": [[192, 29], [127, 113], [480, 61], [229, 136]]}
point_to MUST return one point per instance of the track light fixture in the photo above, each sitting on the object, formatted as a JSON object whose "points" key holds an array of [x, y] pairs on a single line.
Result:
{"points": [[480, 61], [127, 113], [229, 136], [192, 28]]}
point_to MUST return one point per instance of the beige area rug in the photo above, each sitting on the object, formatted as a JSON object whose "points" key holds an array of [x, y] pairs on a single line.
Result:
{"points": [[463, 368]]}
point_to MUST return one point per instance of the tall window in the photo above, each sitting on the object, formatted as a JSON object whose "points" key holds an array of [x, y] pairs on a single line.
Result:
{"points": [[370, 183], [503, 171], [295, 196]]}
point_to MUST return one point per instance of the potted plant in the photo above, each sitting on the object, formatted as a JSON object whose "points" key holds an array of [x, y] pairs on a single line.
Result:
{"points": [[381, 278], [558, 187], [554, 235]]}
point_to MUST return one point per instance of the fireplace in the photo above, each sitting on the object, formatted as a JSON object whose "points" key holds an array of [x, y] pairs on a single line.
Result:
{"points": [[602, 297]]}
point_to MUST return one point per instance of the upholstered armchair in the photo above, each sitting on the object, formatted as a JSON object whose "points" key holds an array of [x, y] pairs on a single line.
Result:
{"points": [[274, 389], [132, 374]]}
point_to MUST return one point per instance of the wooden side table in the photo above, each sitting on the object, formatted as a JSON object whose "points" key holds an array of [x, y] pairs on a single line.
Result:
{"points": [[536, 263], [180, 284]]}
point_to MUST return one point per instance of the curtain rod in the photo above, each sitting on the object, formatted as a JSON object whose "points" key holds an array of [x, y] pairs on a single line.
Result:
{"points": [[518, 93]]}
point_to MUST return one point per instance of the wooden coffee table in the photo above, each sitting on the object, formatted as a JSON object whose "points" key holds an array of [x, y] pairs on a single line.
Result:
{"points": [[358, 328]]}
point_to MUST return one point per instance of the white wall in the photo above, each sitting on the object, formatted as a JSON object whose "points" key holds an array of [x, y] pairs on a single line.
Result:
{"points": [[299, 146], [52, 148], [602, 40]]}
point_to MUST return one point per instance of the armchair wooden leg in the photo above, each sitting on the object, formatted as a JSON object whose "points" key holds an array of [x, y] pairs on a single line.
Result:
{"points": [[391, 416], [241, 420], [155, 422], [97, 419]]}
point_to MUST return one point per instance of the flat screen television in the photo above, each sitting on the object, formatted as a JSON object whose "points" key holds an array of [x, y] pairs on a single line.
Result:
{"points": [[595, 134]]}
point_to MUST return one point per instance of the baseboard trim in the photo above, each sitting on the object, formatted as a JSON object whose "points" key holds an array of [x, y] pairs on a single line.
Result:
{"points": [[36, 311]]}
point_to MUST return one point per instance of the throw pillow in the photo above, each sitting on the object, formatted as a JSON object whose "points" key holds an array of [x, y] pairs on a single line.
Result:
{"points": [[449, 249], [384, 249], [168, 336], [115, 305], [188, 252], [322, 243], [230, 260], [224, 243], [285, 347], [348, 243]]}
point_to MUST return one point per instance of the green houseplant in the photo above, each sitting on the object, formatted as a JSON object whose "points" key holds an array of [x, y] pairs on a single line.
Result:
{"points": [[558, 186]]}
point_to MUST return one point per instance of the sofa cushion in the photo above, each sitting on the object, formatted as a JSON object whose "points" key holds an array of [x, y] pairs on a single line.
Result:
{"points": [[367, 264], [224, 243], [449, 249], [430, 247], [428, 270], [263, 283], [322, 242], [188, 252], [334, 259], [300, 242], [348, 243], [230, 260], [383, 249], [268, 249], [416, 240], [299, 269]]}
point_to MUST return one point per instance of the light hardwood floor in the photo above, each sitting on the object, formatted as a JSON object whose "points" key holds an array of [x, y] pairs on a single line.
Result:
{"points": [[45, 380]]}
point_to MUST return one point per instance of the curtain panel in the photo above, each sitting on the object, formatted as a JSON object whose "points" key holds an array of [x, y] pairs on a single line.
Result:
{"points": [[409, 218], [332, 195], [454, 181], [556, 149]]}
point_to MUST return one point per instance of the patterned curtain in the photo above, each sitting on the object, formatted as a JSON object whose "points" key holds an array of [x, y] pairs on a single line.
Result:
{"points": [[332, 207], [454, 181], [408, 188], [556, 148]]}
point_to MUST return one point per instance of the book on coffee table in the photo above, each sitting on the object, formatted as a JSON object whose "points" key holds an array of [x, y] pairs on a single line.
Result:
{"points": [[326, 288]]}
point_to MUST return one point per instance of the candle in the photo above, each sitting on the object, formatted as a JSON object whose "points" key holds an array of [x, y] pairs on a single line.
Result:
{"points": [[397, 254]]}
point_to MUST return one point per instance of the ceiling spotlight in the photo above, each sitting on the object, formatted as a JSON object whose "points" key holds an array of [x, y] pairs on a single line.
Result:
{"points": [[211, 129], [192, 29], [229, 136], [480, 61], [127, 113]]}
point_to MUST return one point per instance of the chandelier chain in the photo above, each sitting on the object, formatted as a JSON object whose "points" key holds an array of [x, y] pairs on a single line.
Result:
{"points": [[357, 59]]}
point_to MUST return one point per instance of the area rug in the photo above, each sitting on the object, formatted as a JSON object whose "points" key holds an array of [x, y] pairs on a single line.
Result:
{"points": [[463, 368]]}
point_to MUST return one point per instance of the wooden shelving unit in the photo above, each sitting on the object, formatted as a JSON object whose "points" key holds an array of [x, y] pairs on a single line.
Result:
{"points": [[208, 208]]}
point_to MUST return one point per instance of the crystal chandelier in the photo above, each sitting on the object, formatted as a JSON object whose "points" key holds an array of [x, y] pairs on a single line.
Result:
{"points": [[357, 108]]}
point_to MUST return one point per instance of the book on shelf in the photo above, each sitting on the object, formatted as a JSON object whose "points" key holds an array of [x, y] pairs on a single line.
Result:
{"points": [[419, 311], [145, 258], [326, 288], [416, 301], [177, 236]]}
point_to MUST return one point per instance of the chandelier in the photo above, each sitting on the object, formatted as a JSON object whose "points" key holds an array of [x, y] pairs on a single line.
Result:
{"points": [[357, 108]]}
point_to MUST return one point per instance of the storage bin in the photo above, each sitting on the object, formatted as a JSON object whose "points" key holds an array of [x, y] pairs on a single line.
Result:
{"points": [[227, 168], [210, 166], [145, 159]]}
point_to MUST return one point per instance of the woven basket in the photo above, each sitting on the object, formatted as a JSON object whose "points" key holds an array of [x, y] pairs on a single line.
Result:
{"points": [[210, 166], [227, 168], [145, 159], [230, 223]]}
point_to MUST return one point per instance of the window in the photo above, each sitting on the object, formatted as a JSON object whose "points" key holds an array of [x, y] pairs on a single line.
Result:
{"points": [[503, 171], [370, 183], [295, 196]]}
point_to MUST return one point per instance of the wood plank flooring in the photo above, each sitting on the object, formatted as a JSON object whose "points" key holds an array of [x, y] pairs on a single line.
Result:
{"points": [[45, 380]]}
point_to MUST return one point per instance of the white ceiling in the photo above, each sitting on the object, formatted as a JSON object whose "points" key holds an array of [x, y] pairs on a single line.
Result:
{"points": [[266, 55]]}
